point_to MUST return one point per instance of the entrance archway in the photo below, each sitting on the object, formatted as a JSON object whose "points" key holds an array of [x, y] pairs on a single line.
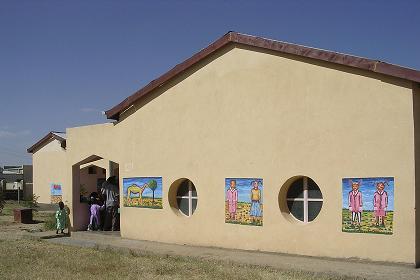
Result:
{"points": [[87, 177]]}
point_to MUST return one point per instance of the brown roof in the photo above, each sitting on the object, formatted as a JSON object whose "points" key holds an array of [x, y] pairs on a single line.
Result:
{"points": [[48, 138], [281, 47]]}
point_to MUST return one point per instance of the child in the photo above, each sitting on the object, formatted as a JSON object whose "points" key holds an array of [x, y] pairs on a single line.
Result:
{"points": [[255, 212], [95, 216], [61, 217], [232, 199], [355, 203], [380, 203]]}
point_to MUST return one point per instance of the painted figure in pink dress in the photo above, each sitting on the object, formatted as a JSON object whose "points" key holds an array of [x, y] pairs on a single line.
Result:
{"points": [[355, 203], [232, 199], [380, 203]]}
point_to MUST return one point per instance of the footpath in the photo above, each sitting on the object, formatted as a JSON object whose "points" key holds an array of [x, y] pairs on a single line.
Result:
{"points": [[341, 267]]}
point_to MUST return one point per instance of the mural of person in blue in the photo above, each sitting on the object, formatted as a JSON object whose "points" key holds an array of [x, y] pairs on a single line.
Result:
{"points": [[255, 195]]}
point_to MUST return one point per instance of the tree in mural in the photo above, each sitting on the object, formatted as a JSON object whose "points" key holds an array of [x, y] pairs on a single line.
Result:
{"points": [[153, 186]]}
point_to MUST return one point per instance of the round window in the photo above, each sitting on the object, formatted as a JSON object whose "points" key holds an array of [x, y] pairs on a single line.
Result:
{"points": [[304, 199], [186, 197]]}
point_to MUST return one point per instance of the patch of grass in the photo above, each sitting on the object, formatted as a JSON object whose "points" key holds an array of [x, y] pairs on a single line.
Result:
{"points": [[50, 222], [9, 206], [42, 260]]}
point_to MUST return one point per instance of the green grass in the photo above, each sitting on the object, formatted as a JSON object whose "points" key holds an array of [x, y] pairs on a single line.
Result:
{"points": [[9, 206], [48, 218], [368, 223], [29, 259], [50, 222]]}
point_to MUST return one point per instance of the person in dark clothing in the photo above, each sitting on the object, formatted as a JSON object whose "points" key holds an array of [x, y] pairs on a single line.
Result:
{"points": [[110, 192]]}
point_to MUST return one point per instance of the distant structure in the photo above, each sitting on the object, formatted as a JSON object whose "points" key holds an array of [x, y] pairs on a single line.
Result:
{"points": [[14, 178]]}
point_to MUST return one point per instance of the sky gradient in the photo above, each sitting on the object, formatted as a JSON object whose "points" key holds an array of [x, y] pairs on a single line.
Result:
{"points": [[63, 63]]}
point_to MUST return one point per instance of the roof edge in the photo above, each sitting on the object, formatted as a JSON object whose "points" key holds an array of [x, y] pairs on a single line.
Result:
{"points": [[375, 66], [114, 112], [49, 137]]}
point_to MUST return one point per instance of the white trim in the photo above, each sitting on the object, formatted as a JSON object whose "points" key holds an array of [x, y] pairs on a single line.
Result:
{"points": [[190, 198], [305, 201], [302, 199]]}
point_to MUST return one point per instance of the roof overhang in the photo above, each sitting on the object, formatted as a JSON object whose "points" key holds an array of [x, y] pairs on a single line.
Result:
{"points": [[272, 45], [46, 139]]}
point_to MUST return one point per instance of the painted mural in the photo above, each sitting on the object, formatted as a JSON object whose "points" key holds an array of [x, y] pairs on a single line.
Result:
{"points": [[56, 192], [244, 201], [368, 205], [143, 192]]}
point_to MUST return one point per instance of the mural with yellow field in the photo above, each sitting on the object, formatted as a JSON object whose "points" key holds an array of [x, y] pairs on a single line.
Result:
{"points": [[143, 192], [243, 201]]}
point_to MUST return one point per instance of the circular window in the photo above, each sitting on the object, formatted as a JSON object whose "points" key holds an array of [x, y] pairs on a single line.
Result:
{"points": [[304, 199], [186, 197]]}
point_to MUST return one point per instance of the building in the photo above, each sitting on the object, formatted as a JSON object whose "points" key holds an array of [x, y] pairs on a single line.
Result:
{"points": [[14, 178], [258, 144]]}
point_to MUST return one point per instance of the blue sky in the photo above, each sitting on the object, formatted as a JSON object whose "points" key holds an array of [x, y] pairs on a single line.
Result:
{"points": [[63, 62]]}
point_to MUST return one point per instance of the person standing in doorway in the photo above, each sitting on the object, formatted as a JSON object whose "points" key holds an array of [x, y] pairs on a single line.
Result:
{"points": [[110, 192]]}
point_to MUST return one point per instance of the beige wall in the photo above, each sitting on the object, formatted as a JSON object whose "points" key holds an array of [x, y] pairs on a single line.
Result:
{"points": [[256, 114], [89, 144], [416, 110], [49, 166]]}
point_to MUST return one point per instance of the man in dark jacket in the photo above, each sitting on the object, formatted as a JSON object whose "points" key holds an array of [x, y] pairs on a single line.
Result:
{"points": [[110, 192]]}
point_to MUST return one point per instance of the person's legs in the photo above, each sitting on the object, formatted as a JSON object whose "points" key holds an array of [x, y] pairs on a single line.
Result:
{"points": [[114, 218], [108, 218], [90, 222], [102, 215]]}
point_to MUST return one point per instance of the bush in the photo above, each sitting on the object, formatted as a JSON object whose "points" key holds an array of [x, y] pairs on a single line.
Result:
{"points": [[50, 223], [33, 204]]}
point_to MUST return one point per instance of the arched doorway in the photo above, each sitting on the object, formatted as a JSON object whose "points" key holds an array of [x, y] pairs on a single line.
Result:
{"points": [[88, 176]]}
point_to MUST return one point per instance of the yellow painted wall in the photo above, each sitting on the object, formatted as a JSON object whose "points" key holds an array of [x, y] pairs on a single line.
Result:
{"points": [[49, 167], [416, 111], [256, 114]]}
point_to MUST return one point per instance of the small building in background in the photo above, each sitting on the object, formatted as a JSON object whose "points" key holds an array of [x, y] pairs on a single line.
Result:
{"points": [[14, 178]]}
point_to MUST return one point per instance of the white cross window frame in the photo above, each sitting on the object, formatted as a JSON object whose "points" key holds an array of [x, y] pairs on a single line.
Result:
{"points": [[305, 200], [190, 198]]}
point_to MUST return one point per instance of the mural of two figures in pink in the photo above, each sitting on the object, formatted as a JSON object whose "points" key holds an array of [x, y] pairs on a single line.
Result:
{"points": [[244, 203], [368, 205]]}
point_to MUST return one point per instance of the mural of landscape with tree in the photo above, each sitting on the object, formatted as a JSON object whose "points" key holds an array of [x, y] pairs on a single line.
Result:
{"points": [[143, 192]]}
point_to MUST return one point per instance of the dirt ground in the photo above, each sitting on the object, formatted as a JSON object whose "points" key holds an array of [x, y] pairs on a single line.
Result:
{"points": [[51, 257], [11, 230], [84, 254]]}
